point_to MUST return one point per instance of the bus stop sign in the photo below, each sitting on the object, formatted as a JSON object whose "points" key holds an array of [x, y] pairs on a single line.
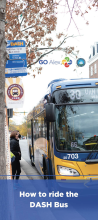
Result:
{"points": [[17, 63]]}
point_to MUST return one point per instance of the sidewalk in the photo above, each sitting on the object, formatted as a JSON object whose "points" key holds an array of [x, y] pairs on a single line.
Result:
{"points": [[29, 171], [23, 175]]}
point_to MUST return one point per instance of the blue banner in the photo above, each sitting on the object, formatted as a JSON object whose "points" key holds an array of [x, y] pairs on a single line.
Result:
{"points": [[49, 199]]}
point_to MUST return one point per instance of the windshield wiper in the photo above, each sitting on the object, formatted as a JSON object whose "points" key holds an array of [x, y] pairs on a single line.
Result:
{"points": [[88, 161]]}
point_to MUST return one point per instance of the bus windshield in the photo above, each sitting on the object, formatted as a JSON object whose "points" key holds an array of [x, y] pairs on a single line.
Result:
{"points": [[76, 127]]}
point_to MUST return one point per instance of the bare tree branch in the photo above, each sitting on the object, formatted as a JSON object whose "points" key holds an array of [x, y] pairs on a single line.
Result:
{"points": [[71, 17], [49, 51]]}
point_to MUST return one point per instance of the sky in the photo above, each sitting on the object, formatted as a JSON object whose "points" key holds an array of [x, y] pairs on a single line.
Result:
{"points": [[35, 88]]}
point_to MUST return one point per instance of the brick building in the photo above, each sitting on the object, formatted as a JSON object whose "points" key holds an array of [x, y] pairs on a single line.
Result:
{"points": [[93, 61]]}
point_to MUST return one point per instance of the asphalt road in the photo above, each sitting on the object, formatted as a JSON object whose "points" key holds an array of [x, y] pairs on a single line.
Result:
{"points": [[26, 166]]}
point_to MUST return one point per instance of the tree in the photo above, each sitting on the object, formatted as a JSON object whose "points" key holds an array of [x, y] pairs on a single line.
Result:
{"points": [[22, 128], [12, 125], [31, 20], [35, 21], [2, 89], [79, 8]]}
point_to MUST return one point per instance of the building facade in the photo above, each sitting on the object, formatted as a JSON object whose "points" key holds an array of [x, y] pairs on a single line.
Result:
{"points": [[93, 61]]}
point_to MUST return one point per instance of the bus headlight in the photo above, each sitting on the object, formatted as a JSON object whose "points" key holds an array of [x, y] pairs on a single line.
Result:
{"points": [[66, 171]]}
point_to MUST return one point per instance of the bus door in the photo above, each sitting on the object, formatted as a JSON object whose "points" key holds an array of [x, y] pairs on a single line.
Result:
{"points": [[51, 149], [35, 129], [32, 141]]}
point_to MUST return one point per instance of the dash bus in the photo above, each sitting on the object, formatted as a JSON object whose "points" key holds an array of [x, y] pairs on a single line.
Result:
{"points": [[63, 130]]}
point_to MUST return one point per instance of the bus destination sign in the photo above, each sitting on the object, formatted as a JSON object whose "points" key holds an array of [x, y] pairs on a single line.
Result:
{"points": [[79, 95]]}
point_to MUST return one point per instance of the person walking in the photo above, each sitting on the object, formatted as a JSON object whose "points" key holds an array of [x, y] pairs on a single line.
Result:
{"points": [[15, 149], [19, 135]]}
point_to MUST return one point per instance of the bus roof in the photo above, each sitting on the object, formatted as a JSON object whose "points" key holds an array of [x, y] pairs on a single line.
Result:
{"points": [[71, 83]]}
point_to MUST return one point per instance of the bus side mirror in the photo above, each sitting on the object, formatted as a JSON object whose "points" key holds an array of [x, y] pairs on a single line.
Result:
{"points": [[50, 112]]}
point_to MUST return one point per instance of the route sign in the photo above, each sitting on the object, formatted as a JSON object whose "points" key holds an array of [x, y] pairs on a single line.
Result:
{"points": [[17, 63]]}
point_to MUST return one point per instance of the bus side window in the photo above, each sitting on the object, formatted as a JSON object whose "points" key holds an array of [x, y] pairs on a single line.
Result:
{"points": [[35, 129]]}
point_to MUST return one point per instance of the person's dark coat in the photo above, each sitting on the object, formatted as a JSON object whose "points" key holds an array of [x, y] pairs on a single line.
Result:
{"points": [[19, 150], [15, 148]]}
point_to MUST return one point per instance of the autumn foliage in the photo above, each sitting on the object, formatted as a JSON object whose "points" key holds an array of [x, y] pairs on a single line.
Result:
{"points": [[21, 128], [30, 20], [35, 20]]}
